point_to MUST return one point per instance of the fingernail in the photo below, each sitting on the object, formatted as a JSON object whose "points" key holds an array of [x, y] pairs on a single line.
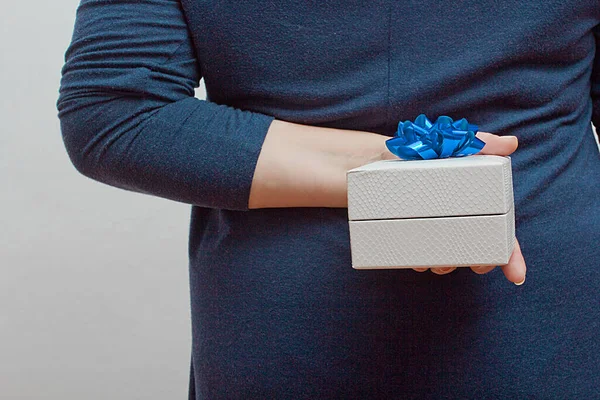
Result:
{"points": [[444, 270], [520, 283], [509, 137]]}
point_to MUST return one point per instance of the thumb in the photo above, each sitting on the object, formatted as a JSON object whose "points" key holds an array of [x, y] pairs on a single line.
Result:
{"points": [[516, 269], [497, 145]]}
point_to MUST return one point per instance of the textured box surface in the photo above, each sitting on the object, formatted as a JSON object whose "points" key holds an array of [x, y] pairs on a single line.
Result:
{"points": [[450, 212], [393, 189], [432, 242]]}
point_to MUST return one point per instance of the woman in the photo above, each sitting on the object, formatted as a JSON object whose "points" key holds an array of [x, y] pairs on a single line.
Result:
{"points": [[300, 92]]}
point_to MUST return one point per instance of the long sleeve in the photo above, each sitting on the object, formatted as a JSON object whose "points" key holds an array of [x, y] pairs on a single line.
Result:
{"points": [[128, 115], [596, 83]]}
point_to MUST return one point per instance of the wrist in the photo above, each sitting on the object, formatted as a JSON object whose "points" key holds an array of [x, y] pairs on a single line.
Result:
{"points": [[377, 150]]}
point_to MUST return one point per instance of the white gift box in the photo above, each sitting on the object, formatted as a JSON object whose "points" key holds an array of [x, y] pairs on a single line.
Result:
{"points": [[431, 213]]}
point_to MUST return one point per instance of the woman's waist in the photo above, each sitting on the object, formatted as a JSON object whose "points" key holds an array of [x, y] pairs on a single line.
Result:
{"points": [[325, 231]]}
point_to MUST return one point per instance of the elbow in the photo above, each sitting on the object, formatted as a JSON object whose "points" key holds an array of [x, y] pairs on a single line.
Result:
{"points": [[81, 163], [79, 135], [99, 134], [77, 131], [77, 150], [89, 127]]}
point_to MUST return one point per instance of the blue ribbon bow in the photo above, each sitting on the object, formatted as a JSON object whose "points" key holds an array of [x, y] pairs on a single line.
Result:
{"points": [[424, 140]]}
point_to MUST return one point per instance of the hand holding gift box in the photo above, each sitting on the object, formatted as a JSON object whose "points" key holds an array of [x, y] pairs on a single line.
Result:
{"points": [[429, 210]]}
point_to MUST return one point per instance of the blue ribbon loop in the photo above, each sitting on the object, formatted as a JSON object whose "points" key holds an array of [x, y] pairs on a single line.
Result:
{"points": [[424, 140]]}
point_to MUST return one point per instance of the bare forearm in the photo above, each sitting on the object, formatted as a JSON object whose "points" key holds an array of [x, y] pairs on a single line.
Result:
{"points": [[305, 166]]}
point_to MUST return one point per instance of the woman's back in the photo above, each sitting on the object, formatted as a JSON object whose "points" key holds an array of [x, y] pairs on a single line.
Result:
{"points": [[277, 310]]}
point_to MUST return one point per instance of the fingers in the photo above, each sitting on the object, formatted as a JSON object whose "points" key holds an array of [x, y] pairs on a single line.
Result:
{"points": [[498, 145], [443, 270], [483, 269], [437, 271], [516, 269]]}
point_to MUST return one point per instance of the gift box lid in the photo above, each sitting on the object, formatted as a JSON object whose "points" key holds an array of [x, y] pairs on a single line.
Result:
{"points": [[394, 189]]}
